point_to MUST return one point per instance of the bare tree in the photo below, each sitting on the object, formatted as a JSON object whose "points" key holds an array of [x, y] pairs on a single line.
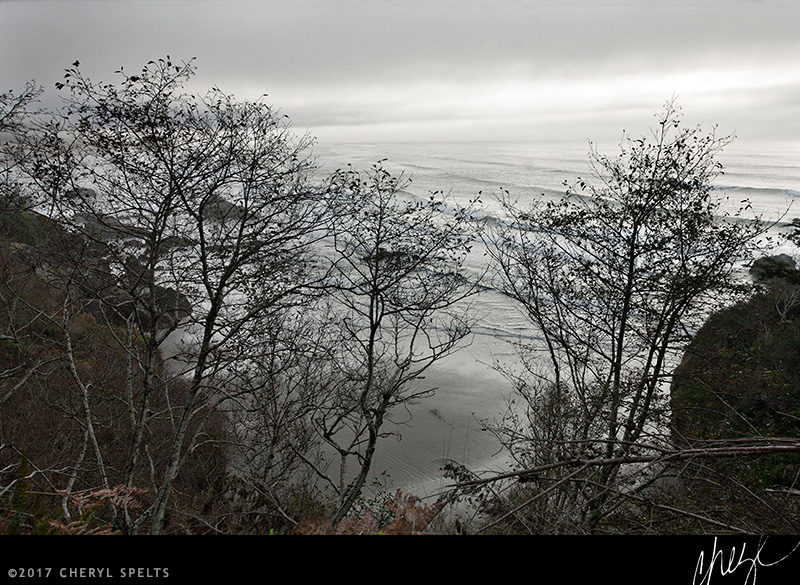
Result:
{"points": [[271, 397], [615, 277], [399, 297], [190, 218], [17, 110]]}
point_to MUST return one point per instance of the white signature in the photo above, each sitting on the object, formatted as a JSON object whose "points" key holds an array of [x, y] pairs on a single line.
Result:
{"points": [[732, 563]]}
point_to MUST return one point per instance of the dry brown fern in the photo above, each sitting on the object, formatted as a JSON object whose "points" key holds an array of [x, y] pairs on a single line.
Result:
{"points": [[408, 517], [133, 498], [80, 527]]}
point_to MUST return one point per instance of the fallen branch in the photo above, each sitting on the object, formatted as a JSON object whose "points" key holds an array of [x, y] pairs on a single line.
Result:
{"points": [[668, 455]]}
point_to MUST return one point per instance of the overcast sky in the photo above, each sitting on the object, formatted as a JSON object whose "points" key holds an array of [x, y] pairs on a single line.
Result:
{"points": [[385, 70]]}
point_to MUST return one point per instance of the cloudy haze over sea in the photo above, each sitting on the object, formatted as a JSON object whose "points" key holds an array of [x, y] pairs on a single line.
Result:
{"points": [[465, 96]]}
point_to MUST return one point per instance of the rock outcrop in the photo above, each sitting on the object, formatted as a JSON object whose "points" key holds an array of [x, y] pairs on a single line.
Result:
{"points": [[780, 266], [740, 375]]}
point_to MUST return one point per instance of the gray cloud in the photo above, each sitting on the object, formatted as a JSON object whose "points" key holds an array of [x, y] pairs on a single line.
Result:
{"points": [[358, 69]]}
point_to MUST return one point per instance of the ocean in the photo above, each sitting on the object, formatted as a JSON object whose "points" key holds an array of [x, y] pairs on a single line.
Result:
{"points": [[469, 389]]}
